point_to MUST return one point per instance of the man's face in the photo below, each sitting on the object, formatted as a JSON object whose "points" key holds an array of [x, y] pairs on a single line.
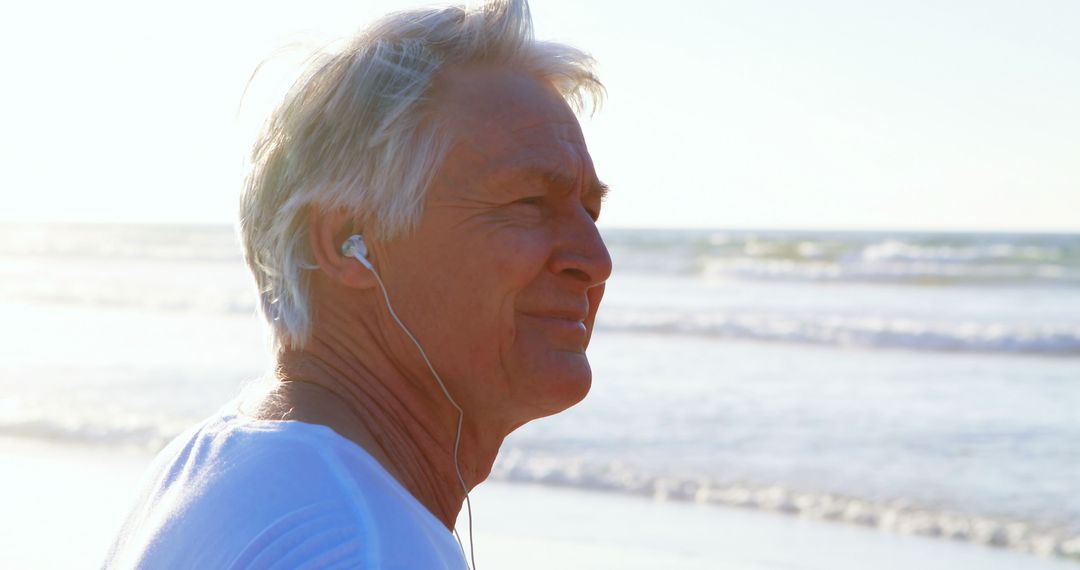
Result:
{"points": [[503, 277]]}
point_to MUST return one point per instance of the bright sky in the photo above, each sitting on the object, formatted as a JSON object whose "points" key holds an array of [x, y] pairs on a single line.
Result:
{"points": [[908, 114]]}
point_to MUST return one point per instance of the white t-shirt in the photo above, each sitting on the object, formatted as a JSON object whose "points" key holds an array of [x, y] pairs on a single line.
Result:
{"points": [[240, 493]]}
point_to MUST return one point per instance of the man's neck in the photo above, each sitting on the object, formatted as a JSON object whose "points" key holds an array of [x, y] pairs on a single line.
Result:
{"points": [[404, 421]]}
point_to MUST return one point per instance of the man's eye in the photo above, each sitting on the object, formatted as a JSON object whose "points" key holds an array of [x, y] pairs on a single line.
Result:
{"points": [[531, 201]]}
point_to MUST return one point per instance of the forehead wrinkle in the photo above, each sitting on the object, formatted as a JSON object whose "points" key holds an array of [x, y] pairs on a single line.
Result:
{"points": [[527, 158], [540, 138], [561, 126], [503, 122], [503, 168], [498, 137]]}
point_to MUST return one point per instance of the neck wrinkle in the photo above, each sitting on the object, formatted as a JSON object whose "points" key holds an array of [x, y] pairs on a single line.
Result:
{"points": [[397, 414]]}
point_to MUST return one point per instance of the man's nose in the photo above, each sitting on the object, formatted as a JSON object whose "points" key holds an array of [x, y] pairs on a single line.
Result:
{"points": [[582, 252]]}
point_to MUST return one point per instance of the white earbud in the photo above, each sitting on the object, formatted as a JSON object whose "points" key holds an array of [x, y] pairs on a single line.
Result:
{"points": [[356, 248]]}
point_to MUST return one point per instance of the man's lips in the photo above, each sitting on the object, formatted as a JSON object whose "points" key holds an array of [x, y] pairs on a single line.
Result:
{"points": [[568, 320], [568, 315]]}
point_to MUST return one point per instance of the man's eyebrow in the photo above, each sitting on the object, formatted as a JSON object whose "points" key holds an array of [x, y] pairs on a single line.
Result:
{"points": [[594, 189], [598, 188]]}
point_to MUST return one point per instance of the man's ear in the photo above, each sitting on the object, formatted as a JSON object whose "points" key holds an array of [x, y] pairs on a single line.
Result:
{"points": [[327, 230]]}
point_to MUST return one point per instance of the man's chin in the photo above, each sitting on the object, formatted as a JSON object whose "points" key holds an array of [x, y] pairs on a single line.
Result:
{"points": [[562, 391]]}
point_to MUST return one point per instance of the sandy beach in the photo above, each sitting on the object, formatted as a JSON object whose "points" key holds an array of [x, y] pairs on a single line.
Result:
{"points": [[78, 495]]}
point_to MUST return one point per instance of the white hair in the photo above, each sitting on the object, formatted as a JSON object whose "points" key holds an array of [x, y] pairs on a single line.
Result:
{"points": [[357, 132]]}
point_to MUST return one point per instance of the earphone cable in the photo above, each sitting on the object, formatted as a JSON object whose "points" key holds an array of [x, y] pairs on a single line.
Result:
{"points": [[461, 414]]}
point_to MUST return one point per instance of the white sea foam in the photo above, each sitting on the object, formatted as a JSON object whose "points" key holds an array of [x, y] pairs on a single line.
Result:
{"points": [[113, 242], [176, 300], [916, 271], [146, 433], [842, 330], [901, 250], [897, 516], [921, 259]]}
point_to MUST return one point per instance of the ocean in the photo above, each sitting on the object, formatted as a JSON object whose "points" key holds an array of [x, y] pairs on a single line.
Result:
{"points": [[917, 383]]}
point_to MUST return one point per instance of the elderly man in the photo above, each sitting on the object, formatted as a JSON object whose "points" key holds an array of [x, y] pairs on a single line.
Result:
{"points": [[421, 223]]}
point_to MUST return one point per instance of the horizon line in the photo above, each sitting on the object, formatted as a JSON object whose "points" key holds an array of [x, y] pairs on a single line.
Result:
{"points": [[617, 227]]}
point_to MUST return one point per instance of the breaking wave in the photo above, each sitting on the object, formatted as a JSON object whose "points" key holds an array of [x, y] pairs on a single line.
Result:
{"points": [[896, 516], [910, 258], [861, 331]]}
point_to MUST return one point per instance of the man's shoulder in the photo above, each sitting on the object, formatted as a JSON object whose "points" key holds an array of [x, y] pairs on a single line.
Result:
{"points": [[233, 459], [237, 493], [229, 489]]}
